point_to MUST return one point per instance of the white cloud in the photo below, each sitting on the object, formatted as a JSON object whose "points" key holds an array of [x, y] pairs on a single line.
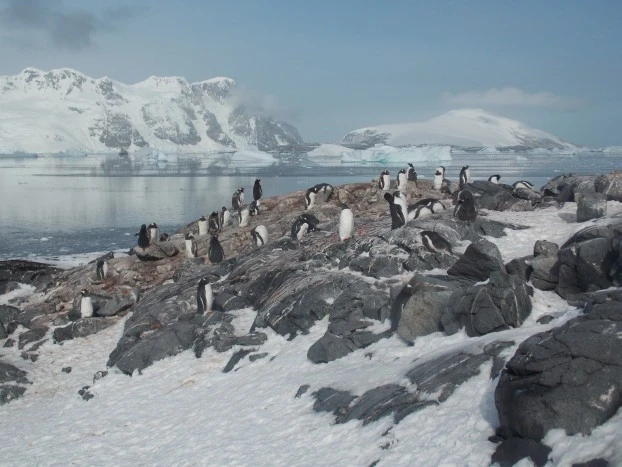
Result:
{"points": [[509, 96]]}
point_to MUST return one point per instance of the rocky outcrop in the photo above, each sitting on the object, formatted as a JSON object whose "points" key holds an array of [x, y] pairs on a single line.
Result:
{"points": [[12, 380], [565, 187]]}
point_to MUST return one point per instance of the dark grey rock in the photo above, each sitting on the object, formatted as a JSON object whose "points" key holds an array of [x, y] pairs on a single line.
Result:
{"points": [[66, 369], [9, 343], [31, 335], [546, 248], [12, 374], [9, 392], [226, 301], [81, 328], [590, 206], [235, 358], [3, 333], [8, 286], [156, 251], [377, 403], [545, 272], [27, 272], [592, 463], [377, 266], [331, 400], [569, 377], [512, 450], [8, 314], [115, 306], [520, 267], [257, 356], [480, 259], [302, 390]]}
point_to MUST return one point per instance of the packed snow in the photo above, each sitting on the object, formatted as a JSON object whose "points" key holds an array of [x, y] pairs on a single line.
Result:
{"points": [[186, 411]]}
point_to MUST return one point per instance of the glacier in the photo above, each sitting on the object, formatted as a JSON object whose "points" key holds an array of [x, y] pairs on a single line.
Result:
{"points": [[334, 154]]}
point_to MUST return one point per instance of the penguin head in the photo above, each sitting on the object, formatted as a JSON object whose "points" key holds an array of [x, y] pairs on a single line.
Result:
{"points": [[402, 171], [143, 228], [343, 206], [189, 236], [84, 293], [257, 180], [224, 209], [440, 169], [214, 213], [204, 281], [385, 172], [438, 172], [202, 219], [465, 167], [411, 166], [241, 189], [389, 197]]}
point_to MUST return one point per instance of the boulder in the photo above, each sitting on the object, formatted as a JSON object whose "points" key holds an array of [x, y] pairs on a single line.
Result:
{"points": [[81, 328], [116, 305], [520, 267], [512, 450], [156, 251], [32, 335], [569, 377], [26, 272], [10, 378], [8, 314], [590, 205], [545, 267], [480, 259]]}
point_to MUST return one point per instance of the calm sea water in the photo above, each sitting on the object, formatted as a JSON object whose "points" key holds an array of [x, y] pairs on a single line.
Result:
{"points": [[58, 205]]}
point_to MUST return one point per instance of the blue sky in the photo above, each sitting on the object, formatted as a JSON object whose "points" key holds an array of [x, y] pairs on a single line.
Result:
{"points": [[329, 67]]}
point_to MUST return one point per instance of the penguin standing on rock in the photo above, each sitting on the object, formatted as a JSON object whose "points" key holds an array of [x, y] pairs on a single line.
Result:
{"points": [[400, 200], [310, 197], [253, 208], [465, 208], [346, 222], [384, 183], [494, 179], [402, 179], [191, 247], [224, 217], [215, 252], [418, 211], [143, 237], [439, 176], [213, 223], [205, 297], [244, 217], [202, 225], [465, 176], [102, 269], [433, 241], [303, 224], [434, 204], [522, 184], [86, 304], [325, 188], [260, 235], [412, 173], [237, 200], [154, 235], [257, 191], [397, 217]]}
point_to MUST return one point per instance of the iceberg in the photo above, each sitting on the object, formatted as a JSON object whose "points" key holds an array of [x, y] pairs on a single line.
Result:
{"points": [[334, 154]]}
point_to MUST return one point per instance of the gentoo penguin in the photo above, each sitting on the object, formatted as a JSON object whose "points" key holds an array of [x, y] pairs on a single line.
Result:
{"points": [[204, 296], [86, 304], [213, 223], [260, 235], [433, 241], [191, 246], [346, 222], [257, 190], [253, 208], [244, 217], [325, 188], [237, 199], [465, 208], [310, 198], [241, 192], [224, 217], [465, 175], [434, 204], [402, 179], [164, 237], [154, 236], [494, 179], [524, 184], [384, 182], [215, 252], [102, 269], [202, 225], [419, 211], [400, 200], [412, 173], [439, 175], [397, 217], [143, 237], [299, 228]]}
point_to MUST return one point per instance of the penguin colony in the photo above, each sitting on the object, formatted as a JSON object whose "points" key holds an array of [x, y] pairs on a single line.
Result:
{"points": [[400, 211]]}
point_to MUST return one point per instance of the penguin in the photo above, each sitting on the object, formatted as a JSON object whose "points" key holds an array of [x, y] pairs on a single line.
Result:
{"points": [[419, 211], [143, 237], [412, 173], [524, 184], [254, 208], [241, 194], [310, 198], [494, 179], [465, 208], [153, 233], [224, 217], [205, 297], [257, 190], [384, 182], [397, 217], [260, 235], [102, 269], [236, 200], [299, 228], [433, 241], [465, 175], [202, 225], [86, 304], [439, 175], [400, 200], [215, 252], [324, 188], [346, 222], [191, 246], [311, 220], [402, 179], [213, 223], [434, 204], [164, 237], [244, 217]]}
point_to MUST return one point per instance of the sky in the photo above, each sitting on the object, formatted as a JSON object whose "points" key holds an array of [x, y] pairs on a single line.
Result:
{"points": [[329, 67]]}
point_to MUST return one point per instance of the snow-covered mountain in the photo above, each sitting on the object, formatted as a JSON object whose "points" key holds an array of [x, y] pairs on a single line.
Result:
{"points": [[462, 127], [65, 110]]}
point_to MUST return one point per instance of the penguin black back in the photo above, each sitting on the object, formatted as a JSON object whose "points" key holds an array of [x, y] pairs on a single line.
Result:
{"points": [[215, 253], [143, 237], [397, 217], [202, 304], [433, 241], [412, 173], [213, 223], [465, 208], [257, 190]]}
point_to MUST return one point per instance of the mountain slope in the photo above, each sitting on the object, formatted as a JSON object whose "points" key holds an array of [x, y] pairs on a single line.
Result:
{"points": [[462, 127], [65, 110]]}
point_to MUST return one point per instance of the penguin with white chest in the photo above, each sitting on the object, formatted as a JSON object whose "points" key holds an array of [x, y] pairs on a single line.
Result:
{"points": [[154, 234], [213, 223], [253, 208], [494, 179], [205, 297], [402, 179], [384, 182], [224, 217], [522, 185], [433, 204], [237, 200], [397, 217], [346, 222], [244, 217], [260, 235], [143, 237], [102, 269], [465, 209], [202, 225], [418, 211], [325, 188], [191, 246], [465, 176], [303, 224], [412, 173], [86, 304], [400, 200], [433, 242], [215, 252], [439, 176], [310, 198]]}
